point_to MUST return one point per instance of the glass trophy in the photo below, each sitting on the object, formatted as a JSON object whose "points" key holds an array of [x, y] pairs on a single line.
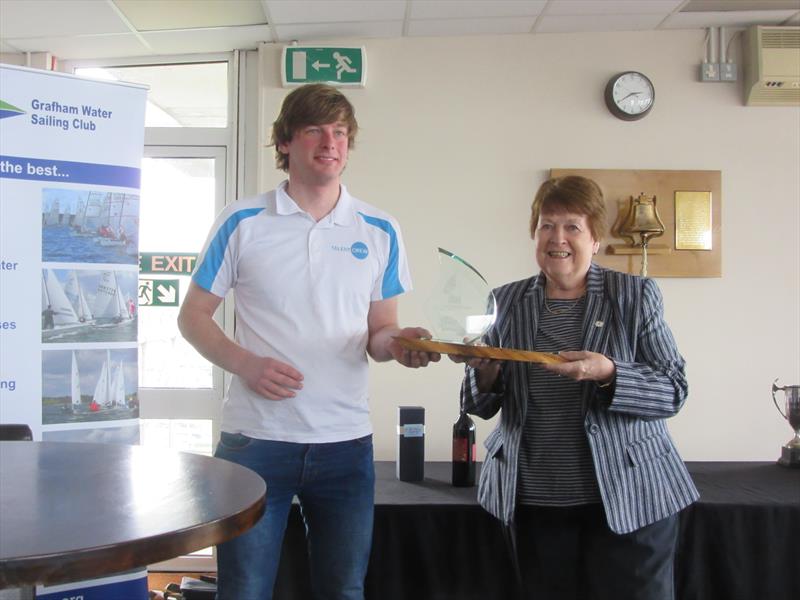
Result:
{"points": [[460, 310], [461, 307]]}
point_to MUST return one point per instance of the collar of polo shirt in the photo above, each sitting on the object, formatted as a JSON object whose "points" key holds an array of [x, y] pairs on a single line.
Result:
{"points": [[342, 213]]}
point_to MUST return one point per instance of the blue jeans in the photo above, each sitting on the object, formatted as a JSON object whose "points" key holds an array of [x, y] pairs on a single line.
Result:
{"points": [[335, 484]]}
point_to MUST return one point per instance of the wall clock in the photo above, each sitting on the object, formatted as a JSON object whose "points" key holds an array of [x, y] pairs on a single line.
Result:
{"points": [[630, 95]]}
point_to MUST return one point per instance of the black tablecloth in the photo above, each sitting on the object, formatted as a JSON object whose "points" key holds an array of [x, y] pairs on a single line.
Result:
{"points": [[740, 541], [433, 542]]}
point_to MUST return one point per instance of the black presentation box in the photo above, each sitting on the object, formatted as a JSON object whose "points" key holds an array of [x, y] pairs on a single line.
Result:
{"points": [[410, 443]]}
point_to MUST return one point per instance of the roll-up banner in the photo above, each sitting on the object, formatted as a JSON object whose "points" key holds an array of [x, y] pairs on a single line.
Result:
{"points": [[70, 165]]}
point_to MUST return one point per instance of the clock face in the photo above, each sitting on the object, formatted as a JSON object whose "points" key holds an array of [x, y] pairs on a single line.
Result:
{"points": [[630, 95]]}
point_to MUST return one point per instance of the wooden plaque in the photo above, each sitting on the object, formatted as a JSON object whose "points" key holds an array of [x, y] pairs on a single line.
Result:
{"points": [[669, 255], [478, 351]]}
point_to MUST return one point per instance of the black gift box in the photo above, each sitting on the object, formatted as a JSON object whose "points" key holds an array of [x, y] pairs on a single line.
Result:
{"points": [[410, 443]]}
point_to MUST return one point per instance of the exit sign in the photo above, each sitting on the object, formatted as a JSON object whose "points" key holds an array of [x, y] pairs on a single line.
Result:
{"points": [[324, 64], [159, 292], [167, 263]]}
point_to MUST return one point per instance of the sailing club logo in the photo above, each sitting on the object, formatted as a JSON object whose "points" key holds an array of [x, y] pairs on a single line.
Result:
{"points": [[9, 110]]}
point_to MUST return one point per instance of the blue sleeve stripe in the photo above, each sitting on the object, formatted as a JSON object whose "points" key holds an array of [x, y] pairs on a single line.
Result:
{"points": [[391, 285], [207, 271]]}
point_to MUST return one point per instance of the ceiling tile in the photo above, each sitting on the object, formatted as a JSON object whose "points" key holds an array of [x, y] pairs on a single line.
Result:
{"points": [[442, 9], [612, 7], [85, 46], [284, 12], [564, 23], [445, 27], [46, 18], [739, 5], [695, 20], [214, 39], [326, 31], [83, 28], [187, 14]]}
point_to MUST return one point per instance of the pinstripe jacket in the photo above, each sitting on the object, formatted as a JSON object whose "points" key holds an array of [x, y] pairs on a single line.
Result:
{"points": [[641, 477]]}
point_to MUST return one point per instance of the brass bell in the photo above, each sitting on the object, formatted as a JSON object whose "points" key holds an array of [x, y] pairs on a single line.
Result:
{"points": [[643, 221]]}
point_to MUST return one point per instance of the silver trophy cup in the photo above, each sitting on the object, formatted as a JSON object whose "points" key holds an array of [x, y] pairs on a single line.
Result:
{"points": [[790, 452]]}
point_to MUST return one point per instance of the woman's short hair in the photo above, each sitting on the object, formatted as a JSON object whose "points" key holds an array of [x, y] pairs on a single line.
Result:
{"points": [[312, 104], [572, 194]]}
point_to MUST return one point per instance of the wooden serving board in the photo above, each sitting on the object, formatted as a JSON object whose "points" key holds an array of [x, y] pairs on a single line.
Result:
{"points": [[478, 351]]}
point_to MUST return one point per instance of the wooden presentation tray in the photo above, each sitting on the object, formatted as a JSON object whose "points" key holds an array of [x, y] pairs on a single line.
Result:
{"points": [[478, 351]]}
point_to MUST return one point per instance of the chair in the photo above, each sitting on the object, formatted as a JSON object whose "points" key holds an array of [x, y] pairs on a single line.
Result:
{"points": [[11, 432]]}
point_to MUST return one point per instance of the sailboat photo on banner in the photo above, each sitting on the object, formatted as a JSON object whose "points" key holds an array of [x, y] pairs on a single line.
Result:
{"points": [[89, 385], [89, 226], [89, 305]]}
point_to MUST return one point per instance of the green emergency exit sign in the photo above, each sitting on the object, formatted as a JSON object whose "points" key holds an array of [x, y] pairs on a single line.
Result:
{"points": [[324, 64], [170, 263], [159, 292]]}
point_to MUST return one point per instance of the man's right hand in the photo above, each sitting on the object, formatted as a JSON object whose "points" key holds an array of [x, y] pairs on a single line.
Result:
{"points": [[271, 378], [267, 377]]}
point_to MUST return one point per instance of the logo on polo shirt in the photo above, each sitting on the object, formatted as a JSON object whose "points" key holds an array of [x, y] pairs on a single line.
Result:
{"points": [[358, 249]]}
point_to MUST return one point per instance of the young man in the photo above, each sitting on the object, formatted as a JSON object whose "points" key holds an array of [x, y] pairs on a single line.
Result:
{"points": [[316, 274]]}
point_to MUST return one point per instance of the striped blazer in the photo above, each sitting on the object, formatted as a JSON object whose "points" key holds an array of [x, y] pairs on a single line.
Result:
{"points": [[642, 478]]}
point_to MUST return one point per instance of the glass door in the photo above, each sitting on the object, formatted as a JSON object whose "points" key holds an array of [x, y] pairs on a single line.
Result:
{"points": [[183, 189]]}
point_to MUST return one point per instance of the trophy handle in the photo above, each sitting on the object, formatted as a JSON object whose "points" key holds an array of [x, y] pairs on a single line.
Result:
{"points": [[775, 388]]}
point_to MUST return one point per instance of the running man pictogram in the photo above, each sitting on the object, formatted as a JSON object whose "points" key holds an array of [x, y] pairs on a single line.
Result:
{"points": [[343, 64]]}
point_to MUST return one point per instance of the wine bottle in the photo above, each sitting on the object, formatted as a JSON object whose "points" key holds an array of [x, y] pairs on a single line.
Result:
{"points": [[464, 452]]}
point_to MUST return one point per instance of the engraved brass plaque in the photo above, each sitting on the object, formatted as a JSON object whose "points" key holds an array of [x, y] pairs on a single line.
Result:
{"points": [[693, 221]]}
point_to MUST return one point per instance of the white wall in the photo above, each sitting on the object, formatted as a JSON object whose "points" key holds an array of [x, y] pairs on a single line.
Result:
{"points": [[458, 133]]}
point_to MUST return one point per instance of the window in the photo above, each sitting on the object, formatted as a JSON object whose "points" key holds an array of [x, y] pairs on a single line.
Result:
{"points": [[180, 95], [188, 435], [189, 173], [182, 191]]}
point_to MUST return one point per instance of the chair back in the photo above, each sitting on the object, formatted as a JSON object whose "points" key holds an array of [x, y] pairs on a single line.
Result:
{"points": [[13, 432]]}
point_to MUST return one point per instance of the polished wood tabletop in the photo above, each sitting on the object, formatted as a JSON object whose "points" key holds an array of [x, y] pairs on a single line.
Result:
{"points": [[71, 511]]}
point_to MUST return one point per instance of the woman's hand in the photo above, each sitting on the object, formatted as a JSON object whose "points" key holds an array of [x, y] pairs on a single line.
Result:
{"points": [[472, 361], [486, 369], [584, 366]]}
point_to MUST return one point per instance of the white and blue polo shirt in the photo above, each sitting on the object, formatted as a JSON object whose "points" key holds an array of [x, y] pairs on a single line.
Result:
{"points": [[302, 293]]}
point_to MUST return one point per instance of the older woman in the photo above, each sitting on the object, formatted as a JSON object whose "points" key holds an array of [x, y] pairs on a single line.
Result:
{"points": [[581, 465]]}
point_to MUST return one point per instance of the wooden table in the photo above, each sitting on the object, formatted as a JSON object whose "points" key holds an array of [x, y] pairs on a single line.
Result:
{"points": [[71, 511]]}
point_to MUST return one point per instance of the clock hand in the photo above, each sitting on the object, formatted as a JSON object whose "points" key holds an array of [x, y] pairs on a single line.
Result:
{"points": [[629, 95]]}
